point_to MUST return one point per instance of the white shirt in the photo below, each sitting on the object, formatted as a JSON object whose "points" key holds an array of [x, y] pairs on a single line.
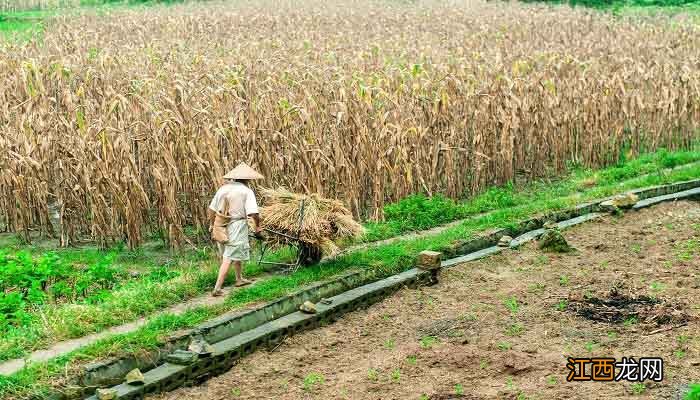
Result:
{"points": [[241, 199]]}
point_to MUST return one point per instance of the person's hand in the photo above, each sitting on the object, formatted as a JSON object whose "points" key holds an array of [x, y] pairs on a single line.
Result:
{"points": [[259, 233]]}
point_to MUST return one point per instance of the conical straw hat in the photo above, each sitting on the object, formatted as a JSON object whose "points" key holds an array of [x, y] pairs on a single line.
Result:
{"points": [[243, 171]]}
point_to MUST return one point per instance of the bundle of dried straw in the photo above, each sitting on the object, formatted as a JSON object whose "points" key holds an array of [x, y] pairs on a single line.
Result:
{"points": [[322, 223]]}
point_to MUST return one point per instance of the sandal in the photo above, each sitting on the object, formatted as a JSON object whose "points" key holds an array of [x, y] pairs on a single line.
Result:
{"points": [[243, 282], [217, 293]]}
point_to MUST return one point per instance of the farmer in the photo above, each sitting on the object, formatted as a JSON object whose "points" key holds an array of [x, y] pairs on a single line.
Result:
{"points": [[230, 207]]}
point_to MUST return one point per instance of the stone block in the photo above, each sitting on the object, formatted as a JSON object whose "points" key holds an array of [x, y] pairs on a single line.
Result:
{"points": [[429, 260]]}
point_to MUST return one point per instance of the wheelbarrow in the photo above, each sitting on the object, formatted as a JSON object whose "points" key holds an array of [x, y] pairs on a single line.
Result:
{"points": [[303, 254]]}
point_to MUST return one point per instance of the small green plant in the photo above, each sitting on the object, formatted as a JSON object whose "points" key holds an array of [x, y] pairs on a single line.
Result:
{"points": [[541, 260], [372, 374], [504, 346], [313, 379], [562, 305], [424, 397], [638, 388], [636, 247], [509, 383], [679, 354], [396, 375], [590, 346], [390, 344], [469, 317], [412, 360], [630, 321], [564, 280], [657, 286], [511, 304], [693, 392], [459, 389], [537, 288], [483, 364], [236, 392], [515, 329], [427, 342], [612, 335], [552, 380]]}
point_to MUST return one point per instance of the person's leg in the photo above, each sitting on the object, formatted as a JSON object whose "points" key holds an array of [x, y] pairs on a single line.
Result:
{"points": [[238, 268], [223, 271]]}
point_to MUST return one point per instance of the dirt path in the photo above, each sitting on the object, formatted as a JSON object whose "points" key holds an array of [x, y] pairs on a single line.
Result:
{"points": [[65, 347], [502, 327]]}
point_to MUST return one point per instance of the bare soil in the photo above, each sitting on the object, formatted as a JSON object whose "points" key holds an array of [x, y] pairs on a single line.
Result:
{"points": [[502, 327]]}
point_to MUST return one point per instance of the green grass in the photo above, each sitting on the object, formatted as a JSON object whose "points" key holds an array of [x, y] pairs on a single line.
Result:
{"points": [[667, 6], [27, 24], [420, 212], [382, 261]]}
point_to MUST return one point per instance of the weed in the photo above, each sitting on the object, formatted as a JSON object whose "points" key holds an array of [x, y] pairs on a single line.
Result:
{"points": [[427, 342], [636, 247], [657, 286], [679, 353], [552, 380], [504, 346], [515, 329], [638, 388], [236, 392], [562, 305], [313, 379], [396, 375], [483, 364], [459, 389], [564, 280], [509, 383], [389, 344], [612, 335], [412, 360], [541, 260], [537, 288], [630, 321], [469, 317], [511, 304], [590, 346], [693, 392], [372, 374]]}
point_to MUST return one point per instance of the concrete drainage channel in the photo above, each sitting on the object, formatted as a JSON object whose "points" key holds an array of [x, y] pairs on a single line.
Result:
{"points": [[238, 335]]}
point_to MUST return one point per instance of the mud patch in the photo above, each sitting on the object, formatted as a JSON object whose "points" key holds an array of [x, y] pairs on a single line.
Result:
{"points": [[618, 308], [444, 328]]}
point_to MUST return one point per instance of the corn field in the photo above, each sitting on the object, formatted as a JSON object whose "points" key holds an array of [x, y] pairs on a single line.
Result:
{"points": [[120, 126]]}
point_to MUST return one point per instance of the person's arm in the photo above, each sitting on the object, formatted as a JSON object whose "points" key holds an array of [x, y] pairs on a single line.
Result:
{"points": [[251, 209], [256, 222], [213, 209]]}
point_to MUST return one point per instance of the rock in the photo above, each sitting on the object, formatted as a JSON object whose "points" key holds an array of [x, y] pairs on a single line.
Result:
{"points": [[200, 347], [552, 240], [308, 307], [326, 301], [135, 377], [621, 201], [134, 274], [429, 260], [106, 394], [505, 241], [181, 357], [550, 225]]}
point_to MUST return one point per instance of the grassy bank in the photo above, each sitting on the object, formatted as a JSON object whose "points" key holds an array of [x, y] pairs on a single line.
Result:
{"points": [[383, 260]]}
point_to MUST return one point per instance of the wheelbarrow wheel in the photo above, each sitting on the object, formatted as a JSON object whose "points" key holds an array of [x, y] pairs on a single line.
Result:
{"points": [[309, 254]]}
